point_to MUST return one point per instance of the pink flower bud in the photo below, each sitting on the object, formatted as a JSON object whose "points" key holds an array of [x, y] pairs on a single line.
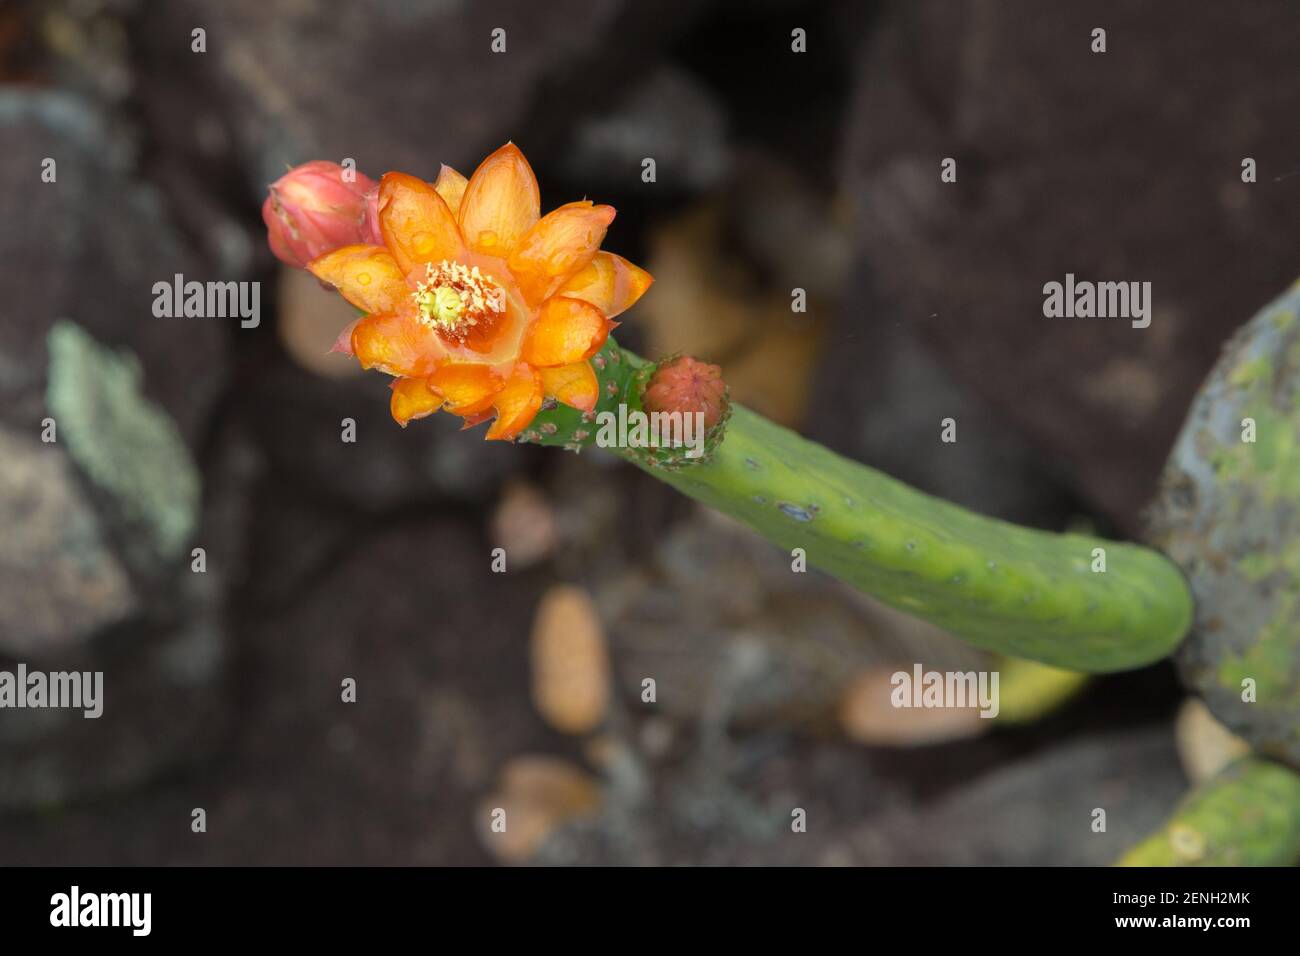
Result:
{"points": [[312, 209], [686, 384]]}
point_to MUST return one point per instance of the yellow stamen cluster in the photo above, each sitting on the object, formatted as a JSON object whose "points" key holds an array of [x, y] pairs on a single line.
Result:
{"points": [[454, 296]]}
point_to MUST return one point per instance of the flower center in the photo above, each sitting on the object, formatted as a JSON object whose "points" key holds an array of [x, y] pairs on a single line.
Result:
{"points": [[454, 298]]}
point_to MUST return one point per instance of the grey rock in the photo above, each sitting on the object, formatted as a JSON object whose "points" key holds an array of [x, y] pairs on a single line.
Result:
{"points": [[393, 85], [59, 579], [733, 637], [162, 708], [96, 572], [669, 117], [298, 427], [89, 247], [883, 399], [1038, 811], [1070, 161]]}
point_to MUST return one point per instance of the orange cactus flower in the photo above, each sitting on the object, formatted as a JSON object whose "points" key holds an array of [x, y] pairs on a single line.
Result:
{"points": [[477, 304]]}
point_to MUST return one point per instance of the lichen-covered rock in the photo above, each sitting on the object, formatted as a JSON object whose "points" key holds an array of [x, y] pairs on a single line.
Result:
{"points": [[85, 364], [104, 408], [61, 580], [127, 445]]}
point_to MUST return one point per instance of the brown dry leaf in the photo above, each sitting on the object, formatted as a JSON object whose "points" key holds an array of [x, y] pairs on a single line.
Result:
{"points": [[537, 793], [524, 524], [700, 301], [868, 717], [310, 321], [570, 661], [1205, 746], [774, 374]]}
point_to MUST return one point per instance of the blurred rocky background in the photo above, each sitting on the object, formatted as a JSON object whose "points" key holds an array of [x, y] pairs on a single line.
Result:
{"points": [[526, 691]]}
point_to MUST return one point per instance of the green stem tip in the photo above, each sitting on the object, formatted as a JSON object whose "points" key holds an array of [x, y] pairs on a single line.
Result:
{"points": [[1014, 590]]}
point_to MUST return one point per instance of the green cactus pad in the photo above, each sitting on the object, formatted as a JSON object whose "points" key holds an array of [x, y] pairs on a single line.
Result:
{"points": [[1248, 815], [564, 427], [1229, 514]]}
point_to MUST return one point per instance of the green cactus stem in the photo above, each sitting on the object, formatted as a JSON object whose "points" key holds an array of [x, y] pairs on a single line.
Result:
{"points": [[1015, 590], [998, 586], [1248, 815], [622, 377]]}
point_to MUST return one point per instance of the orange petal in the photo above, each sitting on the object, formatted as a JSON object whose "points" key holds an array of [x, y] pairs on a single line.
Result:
{"points": [[412, 399], [478, 418], [367, 276], [608, 282], [465, 387], [501, 202], [396, 343], [450, 186], [575, 385], [565, 331], [516, 404], [561, 244], [343, 344], [416, 224]]}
